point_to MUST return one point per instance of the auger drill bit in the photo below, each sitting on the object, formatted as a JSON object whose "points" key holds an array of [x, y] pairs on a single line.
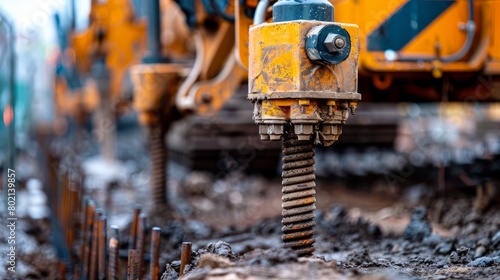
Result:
{"points": [[302, 80], [298, 194], [158, 157]]}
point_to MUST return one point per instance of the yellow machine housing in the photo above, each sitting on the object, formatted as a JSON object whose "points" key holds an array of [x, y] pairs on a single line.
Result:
{"points": [[287, 85], [432, 50]]}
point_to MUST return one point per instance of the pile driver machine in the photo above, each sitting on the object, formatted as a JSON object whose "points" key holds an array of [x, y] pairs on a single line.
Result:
{"points": [[301, 64], [302, 80]]}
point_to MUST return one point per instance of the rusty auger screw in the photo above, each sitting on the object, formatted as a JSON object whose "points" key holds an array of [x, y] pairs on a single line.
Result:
{"points": [[298, 194], [158, 155]]}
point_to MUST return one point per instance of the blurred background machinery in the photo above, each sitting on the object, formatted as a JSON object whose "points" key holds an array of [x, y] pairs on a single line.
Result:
{"points": [[424, 65], [194, 71]]}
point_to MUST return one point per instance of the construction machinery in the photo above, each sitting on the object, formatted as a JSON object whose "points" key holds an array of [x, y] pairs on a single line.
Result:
{"points": [[303, 83], [92, 72], [301, 64], [302, 73]]}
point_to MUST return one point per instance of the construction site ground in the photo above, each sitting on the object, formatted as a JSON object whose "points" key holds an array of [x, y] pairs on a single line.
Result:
{"points": [[366, 229]]}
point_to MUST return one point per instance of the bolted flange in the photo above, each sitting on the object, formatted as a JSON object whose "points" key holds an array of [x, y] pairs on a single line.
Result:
{"points": [[328, 44]]}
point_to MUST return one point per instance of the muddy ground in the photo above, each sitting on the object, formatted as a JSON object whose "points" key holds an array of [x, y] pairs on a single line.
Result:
{"points": [[365, 230], [362, 233]]}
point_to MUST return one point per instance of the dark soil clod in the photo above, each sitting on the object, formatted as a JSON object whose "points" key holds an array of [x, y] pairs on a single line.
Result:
{"points": [[460, 256], [360, 257], [419, 227]]}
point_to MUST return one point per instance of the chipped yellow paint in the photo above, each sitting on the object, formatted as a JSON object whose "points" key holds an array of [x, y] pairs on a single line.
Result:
{"points": [[278, 61], [289, 109], [271, 110], [304, 102], [298, 109]]}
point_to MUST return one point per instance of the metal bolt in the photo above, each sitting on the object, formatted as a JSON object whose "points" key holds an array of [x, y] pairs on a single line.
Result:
{"points": [[334, 42], [275, 131], [339, 42], [353, 105], [303, 131], [263, 131]]}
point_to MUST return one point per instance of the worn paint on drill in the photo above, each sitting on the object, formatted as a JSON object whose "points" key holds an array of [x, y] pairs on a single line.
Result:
{"points": [[279, 63]]}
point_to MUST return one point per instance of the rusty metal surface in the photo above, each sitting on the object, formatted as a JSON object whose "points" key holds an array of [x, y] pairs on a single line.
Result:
{"points": [[185, 256], [141, 241], [89, 217], [113, 262], [94, 254], [132, 242], [308, 94], [155, 253], [102, 236], [158, 156], [133, 266], [298, 195]]}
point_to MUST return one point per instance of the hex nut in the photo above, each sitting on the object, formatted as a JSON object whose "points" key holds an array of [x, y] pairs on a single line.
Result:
{"points": [[263, 128], [275, 129], [275, 137], [331, 129], [303, 129], [303, 137]]}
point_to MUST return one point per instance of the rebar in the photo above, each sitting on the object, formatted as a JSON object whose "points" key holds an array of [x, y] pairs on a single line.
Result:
{"points": [[114, 254], [185, 256], [75, 203], [89, 217], [133, 265], [101, 244], [94, 246], [141, 240], [298, 194], [132, 244], [158, 155], [155, 253]]}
